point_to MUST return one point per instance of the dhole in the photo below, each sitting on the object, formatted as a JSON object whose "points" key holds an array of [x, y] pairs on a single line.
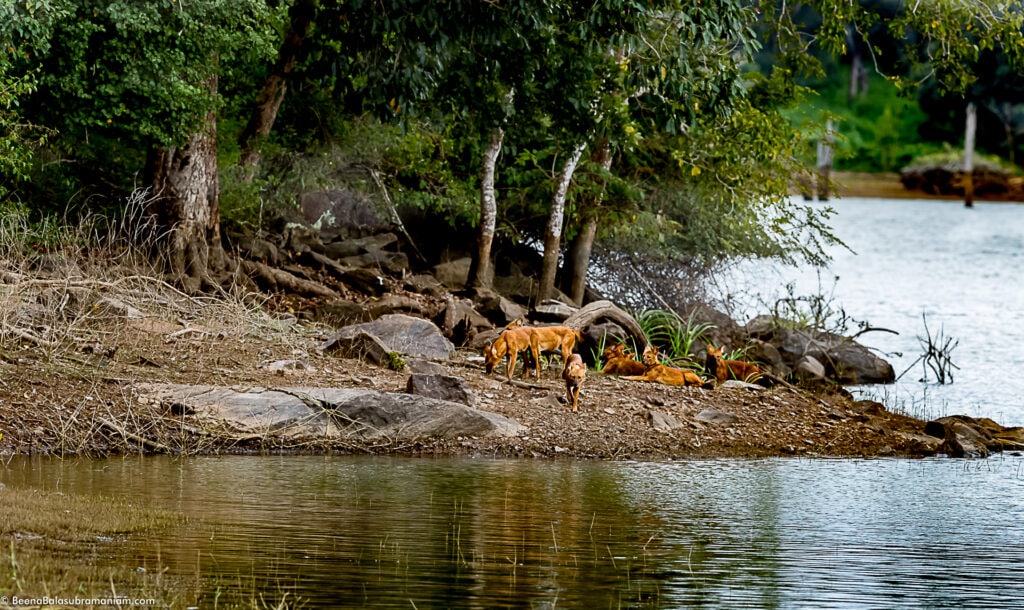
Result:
{"points": [[660, 373], [722, 369], [617, 362], [537, 339], [574, 373]]}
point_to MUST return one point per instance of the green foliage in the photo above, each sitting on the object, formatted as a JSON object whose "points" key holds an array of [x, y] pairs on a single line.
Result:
{"points": [[674, 336], [878, 131]]}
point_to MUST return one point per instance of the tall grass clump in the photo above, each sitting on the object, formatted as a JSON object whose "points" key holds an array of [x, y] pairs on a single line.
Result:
{"points": [[674, 336]]}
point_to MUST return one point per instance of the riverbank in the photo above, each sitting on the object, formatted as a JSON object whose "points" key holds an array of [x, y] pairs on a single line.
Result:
{"points": [[888, 186], [82, 395]]}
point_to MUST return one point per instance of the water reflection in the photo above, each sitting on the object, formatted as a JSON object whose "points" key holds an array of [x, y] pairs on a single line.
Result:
{"points": [[395, 532]]}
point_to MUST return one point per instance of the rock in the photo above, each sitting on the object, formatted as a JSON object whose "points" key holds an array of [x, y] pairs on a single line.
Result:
{"points": [[809, 368], [762, 327], [920, 444], [260, 250], [286, 365], [662, 422], [424, 284], [338, 215], [714, 416], [496, 308], [961, 436], [453, 274], [341, 313], [461, 321], [394, 303], [330, 413], [721, 329], [767, 355], [740, 385], [358, 344], [853, 364], [393, 263], [399, 333], [551, 310], [425, 367], [300, 237], [516, 285], [845, 360], [441, 387], [360, 245], [367, 281]]}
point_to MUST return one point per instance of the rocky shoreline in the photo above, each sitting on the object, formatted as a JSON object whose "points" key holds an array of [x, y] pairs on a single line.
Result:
{"points": [[361, 353]]}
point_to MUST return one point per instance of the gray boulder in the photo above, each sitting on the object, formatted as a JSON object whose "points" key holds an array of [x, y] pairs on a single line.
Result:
{"points": [[453, 274], [441, 387], [328, 413], [406, 335], [338, 215]]}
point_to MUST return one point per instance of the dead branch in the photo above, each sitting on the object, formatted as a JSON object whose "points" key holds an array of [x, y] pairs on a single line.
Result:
{"points": [[278, 279], [134, 437]]}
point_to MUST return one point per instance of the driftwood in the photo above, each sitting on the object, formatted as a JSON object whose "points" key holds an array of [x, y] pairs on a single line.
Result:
{"points": [[135, 438], [278, 279], [593, 312]]}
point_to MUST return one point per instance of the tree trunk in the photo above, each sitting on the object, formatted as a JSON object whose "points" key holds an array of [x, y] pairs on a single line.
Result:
{"points": [[480, 272], [970, 128], [268, 102], [582, 246], [825, 156], [578, 259], [553, 232], [186, 206]]}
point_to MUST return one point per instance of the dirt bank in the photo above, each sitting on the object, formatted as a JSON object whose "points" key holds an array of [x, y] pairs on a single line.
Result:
{"points": [[78, 396]]}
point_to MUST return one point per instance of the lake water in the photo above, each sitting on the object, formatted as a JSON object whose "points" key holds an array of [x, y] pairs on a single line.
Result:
{"points": [[779, 533], [960, 268], [465, 533]]}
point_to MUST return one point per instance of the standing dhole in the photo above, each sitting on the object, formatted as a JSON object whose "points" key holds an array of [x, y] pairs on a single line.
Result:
{"points": [[574, 373], [537, 339]]}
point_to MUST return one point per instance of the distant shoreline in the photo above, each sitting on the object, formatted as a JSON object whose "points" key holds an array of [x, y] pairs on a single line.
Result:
{"points": [[888, 186]]}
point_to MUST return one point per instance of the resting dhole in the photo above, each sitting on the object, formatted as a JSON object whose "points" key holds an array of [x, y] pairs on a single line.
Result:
{"points": [[618, 362], [722, 369], [537, 339], [574, 373], [668, 375]]}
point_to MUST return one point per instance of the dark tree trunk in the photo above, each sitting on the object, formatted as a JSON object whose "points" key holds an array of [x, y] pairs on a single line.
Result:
{"points": [[268, 102], [582, 246], [186, 206], [577, 260]]}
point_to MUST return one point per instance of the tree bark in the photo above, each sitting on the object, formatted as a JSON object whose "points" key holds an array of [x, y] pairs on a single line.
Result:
{"points": [[969, 131], [480, 272], [186, 206], [553, 232], [825, 156], [593, 312], [268, 102], [582, 246]]}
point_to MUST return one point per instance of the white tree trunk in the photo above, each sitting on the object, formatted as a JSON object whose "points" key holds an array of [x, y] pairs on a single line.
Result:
{"points": [[481, 272], [553, 232], [969, 131]]}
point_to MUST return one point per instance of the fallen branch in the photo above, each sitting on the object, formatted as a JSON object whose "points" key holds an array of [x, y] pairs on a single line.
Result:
{"points": [[279, 279], [134, 437]]}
